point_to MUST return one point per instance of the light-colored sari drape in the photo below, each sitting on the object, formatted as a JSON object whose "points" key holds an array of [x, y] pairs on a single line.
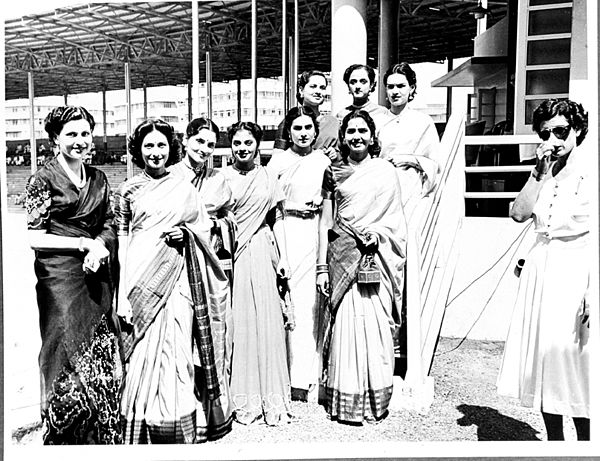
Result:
{"points": [[301, 180], [259, 375], [361, 354], [411, 139], [163, 399]]}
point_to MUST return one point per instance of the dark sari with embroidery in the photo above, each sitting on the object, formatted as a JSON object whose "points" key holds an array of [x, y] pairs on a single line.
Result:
{"points": [[80, 364]]}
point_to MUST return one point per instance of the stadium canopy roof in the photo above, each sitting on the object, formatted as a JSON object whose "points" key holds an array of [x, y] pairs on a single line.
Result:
{"points": [[83, 48]]}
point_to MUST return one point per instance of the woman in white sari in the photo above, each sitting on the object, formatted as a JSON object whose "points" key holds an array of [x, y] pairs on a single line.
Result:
{"points": [[300, 171], [367, 237], [172, 291], [260, 383], [409, 138]]}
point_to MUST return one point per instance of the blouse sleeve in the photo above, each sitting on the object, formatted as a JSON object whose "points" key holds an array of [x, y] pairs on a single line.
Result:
{"points": [[328, 186], [280, 142], [37, 203], [122, 212], [108, 233]]}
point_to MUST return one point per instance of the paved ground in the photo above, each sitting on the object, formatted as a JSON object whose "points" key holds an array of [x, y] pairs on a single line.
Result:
{"points": [[465, 407]]}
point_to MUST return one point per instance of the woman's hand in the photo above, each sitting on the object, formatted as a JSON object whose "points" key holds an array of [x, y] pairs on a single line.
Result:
{"points": [[323, 283], [313, 205], [544, 158], [371, 242], [174, 235], [96, 255], [332, 153], [283, 269], [124, 309]]}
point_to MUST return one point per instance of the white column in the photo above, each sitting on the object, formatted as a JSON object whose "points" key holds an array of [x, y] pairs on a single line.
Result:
{"points": [[348, 45], [253, 61], [284, 52], [195, 59], [104, 124], [32, 150], [128, 119], [482, 22]]}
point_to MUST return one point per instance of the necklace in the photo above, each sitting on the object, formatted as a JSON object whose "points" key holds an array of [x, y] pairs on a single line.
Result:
{"points": [[242, 172]]}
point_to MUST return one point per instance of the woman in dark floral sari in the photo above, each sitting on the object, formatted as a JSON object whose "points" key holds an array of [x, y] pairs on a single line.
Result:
{"points": [[69, 218]]}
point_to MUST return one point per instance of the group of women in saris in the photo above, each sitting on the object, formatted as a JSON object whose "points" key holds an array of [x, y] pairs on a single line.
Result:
{"points": [[240, 289], [200, 296]]}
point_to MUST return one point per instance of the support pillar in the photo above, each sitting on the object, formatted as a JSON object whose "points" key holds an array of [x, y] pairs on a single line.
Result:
{"points": [[388, 42], [189, 100], [104, 124], [296, 56], [145, 105], [128, 119], [239, 95], [209, 94], [195, 59], [348, 45], [482, 22], [32, 146], [284, 57], [449, 92], [254, 63]]}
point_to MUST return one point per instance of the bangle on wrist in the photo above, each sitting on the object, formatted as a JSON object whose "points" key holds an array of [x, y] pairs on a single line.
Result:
{"points": [[81, 244], [322, 269]]}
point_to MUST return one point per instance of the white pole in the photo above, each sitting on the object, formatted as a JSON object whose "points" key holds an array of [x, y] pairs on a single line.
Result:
{"points": [[348, 45], [253, 63], [32, 150], [128, 119], [195, 59], [284, 51]]}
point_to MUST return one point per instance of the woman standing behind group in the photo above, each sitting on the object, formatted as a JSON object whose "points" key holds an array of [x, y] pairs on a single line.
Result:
{"points": [[260, 384], [361, 82], [69, 221], [409, 138], [170, 283], [311, 95], [300, 171], [361, 259]]}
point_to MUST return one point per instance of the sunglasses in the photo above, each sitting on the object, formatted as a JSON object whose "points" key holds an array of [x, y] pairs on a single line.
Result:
{"points": [[561, 132]]}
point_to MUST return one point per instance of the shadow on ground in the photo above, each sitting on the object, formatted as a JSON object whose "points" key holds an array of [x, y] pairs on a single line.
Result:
{"points": [[493, 425]]}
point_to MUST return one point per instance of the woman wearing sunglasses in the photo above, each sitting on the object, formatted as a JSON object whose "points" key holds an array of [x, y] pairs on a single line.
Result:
{"points": [[547, 359]]}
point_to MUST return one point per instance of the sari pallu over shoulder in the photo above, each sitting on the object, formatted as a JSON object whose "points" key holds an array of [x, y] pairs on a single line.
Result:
{"points": [[251, 208], [151, 291], [365, 206]]}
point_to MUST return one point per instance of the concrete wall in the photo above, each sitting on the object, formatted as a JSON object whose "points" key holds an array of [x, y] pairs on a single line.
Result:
{"points": [[481, 242], [494, 41]]}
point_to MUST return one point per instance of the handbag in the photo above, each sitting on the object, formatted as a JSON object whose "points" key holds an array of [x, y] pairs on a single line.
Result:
{"points": [[369, 273]]}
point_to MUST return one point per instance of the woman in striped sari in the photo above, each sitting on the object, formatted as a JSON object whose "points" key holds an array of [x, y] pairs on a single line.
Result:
{"points": [[171, 290], [369, 230]]}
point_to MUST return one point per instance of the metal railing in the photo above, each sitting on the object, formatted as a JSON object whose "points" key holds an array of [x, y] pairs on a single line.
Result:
{"points": [[497, 140]]}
